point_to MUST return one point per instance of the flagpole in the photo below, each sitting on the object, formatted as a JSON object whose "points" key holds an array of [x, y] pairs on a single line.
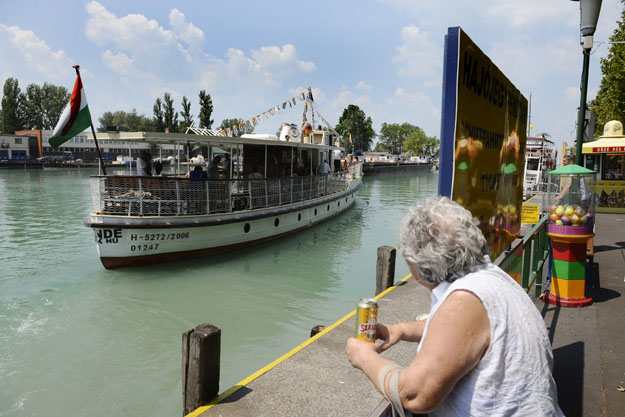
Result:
{"points": [[97, 147]]}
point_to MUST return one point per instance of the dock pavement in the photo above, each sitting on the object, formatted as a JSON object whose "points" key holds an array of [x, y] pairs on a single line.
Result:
{"points": [[315, 378]]}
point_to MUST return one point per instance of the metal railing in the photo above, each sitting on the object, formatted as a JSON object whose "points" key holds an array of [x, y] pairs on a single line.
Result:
{"points": [[526, 260], [124, 195]]}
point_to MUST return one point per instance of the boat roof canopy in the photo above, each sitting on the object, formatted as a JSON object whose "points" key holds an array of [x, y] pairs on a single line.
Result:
{"points": [[159, 138]]}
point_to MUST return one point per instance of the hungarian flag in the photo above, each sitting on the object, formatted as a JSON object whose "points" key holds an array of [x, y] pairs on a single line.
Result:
{"points": [[74, 119]]}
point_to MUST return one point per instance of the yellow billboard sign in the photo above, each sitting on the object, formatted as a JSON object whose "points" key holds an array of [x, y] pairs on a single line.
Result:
{"points": [[482, 140]]}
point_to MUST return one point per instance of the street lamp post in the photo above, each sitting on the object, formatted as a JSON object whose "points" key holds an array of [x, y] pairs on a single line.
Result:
{"points": [[589, 14]]}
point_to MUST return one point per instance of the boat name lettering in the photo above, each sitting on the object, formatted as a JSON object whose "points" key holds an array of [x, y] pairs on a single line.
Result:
{"points": [[143, 248], [153, 237], [107, 235]]}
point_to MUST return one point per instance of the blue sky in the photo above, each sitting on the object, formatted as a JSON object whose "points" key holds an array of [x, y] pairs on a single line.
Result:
{"points": [[385, 56]]}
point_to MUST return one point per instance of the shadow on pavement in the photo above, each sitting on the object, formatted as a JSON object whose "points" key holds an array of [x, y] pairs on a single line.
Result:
{"points": [[569, 379], [604, 248], [600, 295]]}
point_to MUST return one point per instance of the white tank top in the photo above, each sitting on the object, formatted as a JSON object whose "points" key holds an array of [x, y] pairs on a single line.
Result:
{"points": [[514, 376]]}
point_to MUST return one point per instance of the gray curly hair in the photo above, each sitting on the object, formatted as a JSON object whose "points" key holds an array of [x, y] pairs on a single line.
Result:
{"points": [[440, 238]]}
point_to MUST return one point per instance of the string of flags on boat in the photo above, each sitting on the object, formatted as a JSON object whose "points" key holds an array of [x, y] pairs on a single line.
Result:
{"points": [[277, 109]]}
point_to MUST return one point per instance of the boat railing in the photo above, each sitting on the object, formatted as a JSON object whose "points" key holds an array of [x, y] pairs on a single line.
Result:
{"points": [[540, 188], [125, 195]]}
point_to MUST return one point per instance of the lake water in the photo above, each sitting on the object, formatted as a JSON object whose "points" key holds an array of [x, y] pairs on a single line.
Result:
{"points": [[76, 339]]}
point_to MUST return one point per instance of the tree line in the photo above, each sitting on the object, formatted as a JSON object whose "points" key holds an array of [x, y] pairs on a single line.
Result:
{"points": [[40, 107], [165, 117], [37, 107], [395, 138]]}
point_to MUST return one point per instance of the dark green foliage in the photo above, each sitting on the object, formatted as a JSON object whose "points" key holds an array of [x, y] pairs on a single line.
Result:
{"points": [[206, 110], [129, 121], [12, 112], [610, 101], [170, 116], [159, 122], [187, 117], [228, 123], [354, 121]]}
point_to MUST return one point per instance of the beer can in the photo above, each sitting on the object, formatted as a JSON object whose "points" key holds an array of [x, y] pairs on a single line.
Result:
{"points": [[366, 319]]}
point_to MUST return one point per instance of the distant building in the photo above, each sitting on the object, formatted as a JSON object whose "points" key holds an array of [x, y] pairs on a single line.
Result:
{"points": [[18, 146], [78, 147]]}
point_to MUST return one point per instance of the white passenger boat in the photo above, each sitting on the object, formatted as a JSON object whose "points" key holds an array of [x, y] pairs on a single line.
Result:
{"points": [[540, 158], [147, 220]]}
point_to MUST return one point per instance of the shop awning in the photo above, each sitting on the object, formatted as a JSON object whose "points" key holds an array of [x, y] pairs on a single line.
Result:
{"points": [[605, 145]]}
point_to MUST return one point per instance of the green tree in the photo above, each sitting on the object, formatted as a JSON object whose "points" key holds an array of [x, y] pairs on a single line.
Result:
{"points": [[43, 105], [159, 122], [354, 121], [34, 107], [394, 135], [187, 117], [55, 98], [170, 116], [419, 144], [206, 110], [11, 112], [129, 121], [381, 147], [610, 101], [228, 123]]}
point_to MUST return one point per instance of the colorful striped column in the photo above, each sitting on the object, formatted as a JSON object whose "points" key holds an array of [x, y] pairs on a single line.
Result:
{"points": [[568, 269]]}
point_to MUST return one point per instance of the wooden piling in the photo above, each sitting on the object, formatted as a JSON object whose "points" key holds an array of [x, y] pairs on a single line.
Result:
{"points": [[385, 269], [201, 347], [317, 329]]}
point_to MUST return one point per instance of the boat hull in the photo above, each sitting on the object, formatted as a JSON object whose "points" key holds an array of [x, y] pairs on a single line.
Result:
{"points": [[124, 241]]}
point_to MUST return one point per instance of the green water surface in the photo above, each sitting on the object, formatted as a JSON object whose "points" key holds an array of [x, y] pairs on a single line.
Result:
{"points": [[76, 339]]}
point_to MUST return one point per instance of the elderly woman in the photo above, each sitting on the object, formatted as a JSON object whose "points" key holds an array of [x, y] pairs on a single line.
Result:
{"points": [[484, 348]]}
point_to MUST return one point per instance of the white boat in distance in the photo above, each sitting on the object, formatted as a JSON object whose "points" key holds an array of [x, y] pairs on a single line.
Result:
{"points": [[540, 158], [140, 220]]}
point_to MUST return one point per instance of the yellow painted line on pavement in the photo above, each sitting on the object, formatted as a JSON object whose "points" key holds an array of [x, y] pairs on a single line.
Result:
{"points": [[282, 358]]}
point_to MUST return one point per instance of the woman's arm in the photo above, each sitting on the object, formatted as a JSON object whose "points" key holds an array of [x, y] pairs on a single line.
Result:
{"points": [[393, 333], [458, 337]]}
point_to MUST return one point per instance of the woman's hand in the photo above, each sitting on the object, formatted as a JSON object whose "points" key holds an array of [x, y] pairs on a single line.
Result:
{"points": [[390, 335], [358, 350]]}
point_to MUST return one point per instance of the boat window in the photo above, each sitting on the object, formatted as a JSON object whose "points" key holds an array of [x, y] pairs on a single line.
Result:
{"points": [[246, 228], [299, 217], [532, 164], [276, 222], [328, 207], [315, 212]]}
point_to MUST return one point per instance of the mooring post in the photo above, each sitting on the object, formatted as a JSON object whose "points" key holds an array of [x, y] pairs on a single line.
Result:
{"points": [[201, 347], [385, 270], [317, 329]]}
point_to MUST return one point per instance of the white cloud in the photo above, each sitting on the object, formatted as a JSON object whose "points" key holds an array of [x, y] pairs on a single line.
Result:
{"points": [[120, 63], [363, 86], [281, 61], [151, 59], [418, 56], [27, 57], [530, 13], [187, 32]]}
